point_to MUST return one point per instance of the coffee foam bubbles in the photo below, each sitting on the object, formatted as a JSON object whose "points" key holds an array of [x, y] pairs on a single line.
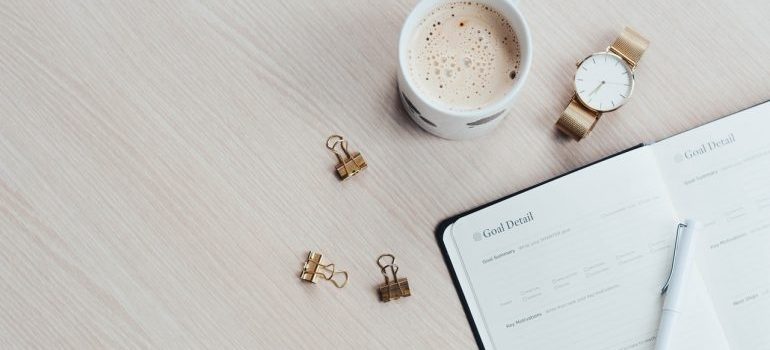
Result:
{"points": [[464, 56]]}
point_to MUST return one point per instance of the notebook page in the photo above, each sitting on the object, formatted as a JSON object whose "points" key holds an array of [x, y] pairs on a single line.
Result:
{"points": [[720, 174], [574, 264]]}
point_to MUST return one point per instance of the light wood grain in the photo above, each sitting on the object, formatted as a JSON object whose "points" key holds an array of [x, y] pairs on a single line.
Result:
{"points": [[163, 174]]}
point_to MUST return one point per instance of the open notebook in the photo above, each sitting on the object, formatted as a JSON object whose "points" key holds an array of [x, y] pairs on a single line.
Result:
{"points": [[578, 262]]}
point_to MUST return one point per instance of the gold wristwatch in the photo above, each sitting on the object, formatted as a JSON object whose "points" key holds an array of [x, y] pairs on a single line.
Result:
{"points": [[604, 81]]}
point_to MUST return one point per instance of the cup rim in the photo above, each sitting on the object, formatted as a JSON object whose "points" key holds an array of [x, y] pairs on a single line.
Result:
{"points": [[525, 48]]}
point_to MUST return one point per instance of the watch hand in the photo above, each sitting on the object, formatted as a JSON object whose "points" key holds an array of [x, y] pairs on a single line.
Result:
{"points": [[614, 83], [597, 88]]}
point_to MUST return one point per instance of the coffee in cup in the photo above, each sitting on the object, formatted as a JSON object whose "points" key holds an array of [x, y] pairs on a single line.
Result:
{"points": [[461, 65], [463, 56]]}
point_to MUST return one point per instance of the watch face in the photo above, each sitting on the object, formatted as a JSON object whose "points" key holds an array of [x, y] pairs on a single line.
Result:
{"points": [[604, 82]]}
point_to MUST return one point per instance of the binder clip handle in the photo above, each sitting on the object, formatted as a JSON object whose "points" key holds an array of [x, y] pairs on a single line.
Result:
{"points": [[332, 146], [384, 266], [393, 271], [333, 272], [385, 256]]}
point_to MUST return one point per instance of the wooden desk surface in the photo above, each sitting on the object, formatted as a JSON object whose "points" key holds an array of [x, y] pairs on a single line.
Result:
{"points": [[163, 170]]}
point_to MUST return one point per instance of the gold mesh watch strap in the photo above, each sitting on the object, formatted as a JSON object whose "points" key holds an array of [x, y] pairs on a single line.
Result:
{"points": [[576, 120], [630, 45]]}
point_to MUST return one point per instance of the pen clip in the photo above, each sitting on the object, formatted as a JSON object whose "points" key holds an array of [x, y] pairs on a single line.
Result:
{"points": [[671, 271]]}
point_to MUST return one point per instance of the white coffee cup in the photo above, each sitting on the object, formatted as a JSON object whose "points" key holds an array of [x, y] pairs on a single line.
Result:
{"points": [[457, 124]]}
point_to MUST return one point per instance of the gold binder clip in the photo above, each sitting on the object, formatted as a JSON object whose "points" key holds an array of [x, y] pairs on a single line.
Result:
{"points": [[310, 271], [349, 164], [395, 288]]}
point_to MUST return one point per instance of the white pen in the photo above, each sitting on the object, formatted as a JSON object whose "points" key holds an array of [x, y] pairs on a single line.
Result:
{"points": [[673, 290]]}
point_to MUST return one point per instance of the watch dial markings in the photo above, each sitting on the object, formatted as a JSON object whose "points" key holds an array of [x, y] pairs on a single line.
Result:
{"points": [[603, 83]]}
